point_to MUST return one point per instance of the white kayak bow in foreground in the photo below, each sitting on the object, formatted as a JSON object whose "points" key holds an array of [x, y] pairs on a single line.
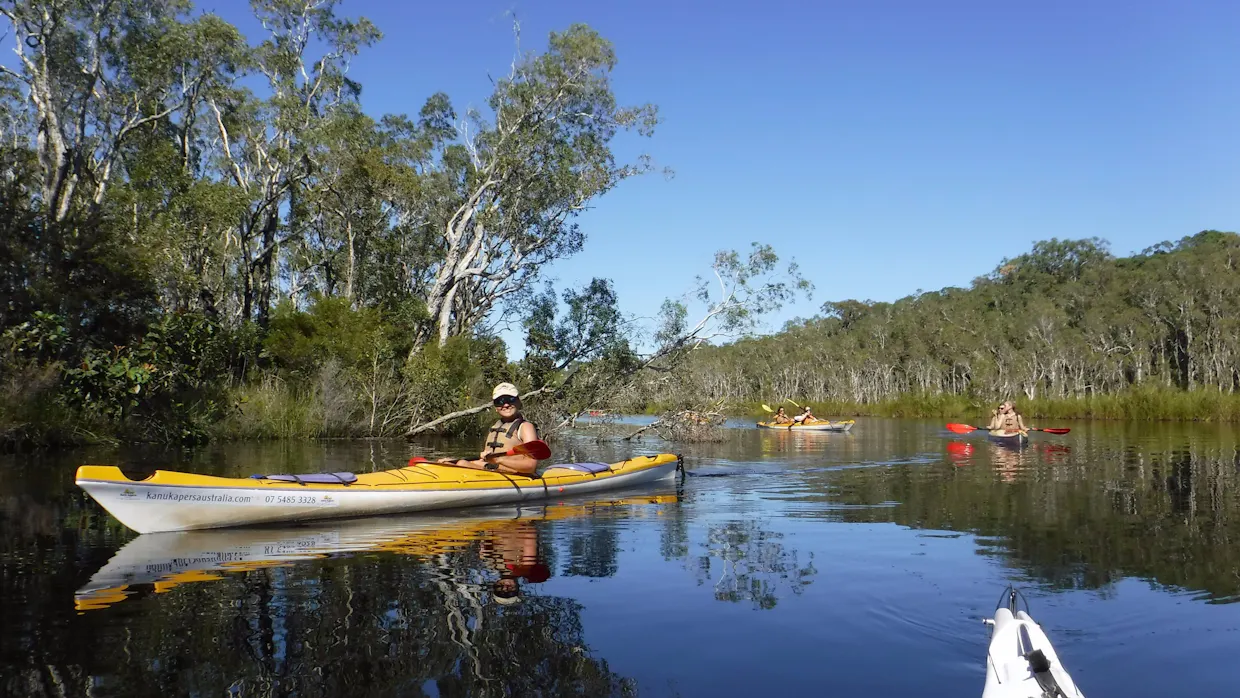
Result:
{"points": [[1021, 662]]}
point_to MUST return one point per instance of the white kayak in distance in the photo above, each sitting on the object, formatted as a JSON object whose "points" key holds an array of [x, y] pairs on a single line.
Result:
{"points": [[1021, 662]]}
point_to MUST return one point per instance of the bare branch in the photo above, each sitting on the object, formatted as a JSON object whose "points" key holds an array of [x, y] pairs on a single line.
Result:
{"points": [[467, 412]]}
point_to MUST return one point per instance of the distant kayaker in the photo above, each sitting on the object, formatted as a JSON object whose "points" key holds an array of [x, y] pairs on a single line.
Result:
{"points": [[806, 416], [781, 417], [1007, 418], [511, 429]]}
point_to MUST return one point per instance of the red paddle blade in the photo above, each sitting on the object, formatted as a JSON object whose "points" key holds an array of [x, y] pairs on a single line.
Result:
{"points": [[1056, 431], [417, 459], [537, 449], [960, 428]]}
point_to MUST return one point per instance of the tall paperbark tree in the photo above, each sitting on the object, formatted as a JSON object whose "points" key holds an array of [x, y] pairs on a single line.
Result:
{"points": [[539, 161]]}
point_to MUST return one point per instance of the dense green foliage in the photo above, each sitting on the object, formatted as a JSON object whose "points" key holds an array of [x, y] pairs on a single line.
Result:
{"points": [[1068, 329], [204, 233]]}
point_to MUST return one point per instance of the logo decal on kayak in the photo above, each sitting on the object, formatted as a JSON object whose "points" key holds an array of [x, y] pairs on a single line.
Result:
{"points": [[128, 493]]}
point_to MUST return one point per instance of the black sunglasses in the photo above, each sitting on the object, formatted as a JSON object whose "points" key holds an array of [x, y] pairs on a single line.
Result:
{"points": [[503, 400]]}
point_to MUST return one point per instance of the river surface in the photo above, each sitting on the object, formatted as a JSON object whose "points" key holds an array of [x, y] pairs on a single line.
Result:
{"points": [[781, 564]]}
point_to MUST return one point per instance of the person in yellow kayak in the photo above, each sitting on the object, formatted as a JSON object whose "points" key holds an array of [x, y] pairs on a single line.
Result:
{"points": [[806, 416], [1007, 418], [510, 430], [781, 417]]}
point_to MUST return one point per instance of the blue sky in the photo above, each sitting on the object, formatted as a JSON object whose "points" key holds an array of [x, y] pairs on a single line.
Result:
{"points": [[887, 145]]}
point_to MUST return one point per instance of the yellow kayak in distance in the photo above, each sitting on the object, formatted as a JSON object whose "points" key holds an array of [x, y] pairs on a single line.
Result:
{"points": [[814, 426], [176, 501]]}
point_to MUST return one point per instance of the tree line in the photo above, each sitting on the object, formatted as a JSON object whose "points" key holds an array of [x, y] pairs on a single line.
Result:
{"points": [[204, 233], [1068, 322]]}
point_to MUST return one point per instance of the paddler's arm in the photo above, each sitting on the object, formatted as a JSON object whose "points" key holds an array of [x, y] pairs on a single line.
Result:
{"points": [[515, 465], [519, 464], [509, 465]]}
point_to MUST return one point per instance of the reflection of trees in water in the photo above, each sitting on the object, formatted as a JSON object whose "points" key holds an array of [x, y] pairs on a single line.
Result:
{"points": [[1079, 518], [741, 560], [744, 562], [674, 536], [593, 547], [355, 625]]}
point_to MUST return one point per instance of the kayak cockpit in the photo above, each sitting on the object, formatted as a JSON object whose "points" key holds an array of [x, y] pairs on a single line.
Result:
{"points": [[341, 478]]}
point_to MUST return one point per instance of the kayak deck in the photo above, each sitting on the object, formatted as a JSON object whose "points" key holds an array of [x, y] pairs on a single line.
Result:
{"points": [[177, 501], [1020, 660]]}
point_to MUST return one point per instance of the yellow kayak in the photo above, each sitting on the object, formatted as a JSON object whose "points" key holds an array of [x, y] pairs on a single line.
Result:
{"points": [[176, 501], [813, 426]]}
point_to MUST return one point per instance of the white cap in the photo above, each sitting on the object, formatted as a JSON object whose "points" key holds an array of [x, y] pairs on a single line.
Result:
{"points": [[505, 389]]}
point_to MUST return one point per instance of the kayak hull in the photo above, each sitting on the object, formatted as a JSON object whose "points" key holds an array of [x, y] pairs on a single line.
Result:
{"points": [[1014, 439], [820, 426], [175, 501], [1009, 672]]}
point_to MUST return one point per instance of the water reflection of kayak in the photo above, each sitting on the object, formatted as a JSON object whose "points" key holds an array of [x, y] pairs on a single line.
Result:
{"points": [[1021, 662], [1008, 438], [167, 560], [175, 501]]}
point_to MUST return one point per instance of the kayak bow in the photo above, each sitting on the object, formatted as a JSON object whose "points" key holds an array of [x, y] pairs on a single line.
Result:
{"points": [[1008, 438], [1020, 662]]}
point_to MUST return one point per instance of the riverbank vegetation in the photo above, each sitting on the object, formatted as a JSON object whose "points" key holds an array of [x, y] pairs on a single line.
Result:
{"points": [[1068, 330], [205, 235]]}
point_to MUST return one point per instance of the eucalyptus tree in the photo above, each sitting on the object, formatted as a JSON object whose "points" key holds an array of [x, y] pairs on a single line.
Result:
{"points": [[266, 144], [100, 90], [523, 173], [94, 71]]}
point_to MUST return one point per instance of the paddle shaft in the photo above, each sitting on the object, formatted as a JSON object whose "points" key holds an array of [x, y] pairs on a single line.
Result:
{"points": [[537, 449], [970, 427]]}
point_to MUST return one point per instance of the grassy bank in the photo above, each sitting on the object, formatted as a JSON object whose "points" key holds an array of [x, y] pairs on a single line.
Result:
{"points": [[273, 409], [1147, 404]]}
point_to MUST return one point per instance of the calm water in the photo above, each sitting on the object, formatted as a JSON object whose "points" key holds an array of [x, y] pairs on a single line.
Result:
{"points": [[784, 564]]}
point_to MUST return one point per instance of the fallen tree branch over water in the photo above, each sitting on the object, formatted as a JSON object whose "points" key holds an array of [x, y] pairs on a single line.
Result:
{"points": [[465, 413], [592, 343], [687, 425]]}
